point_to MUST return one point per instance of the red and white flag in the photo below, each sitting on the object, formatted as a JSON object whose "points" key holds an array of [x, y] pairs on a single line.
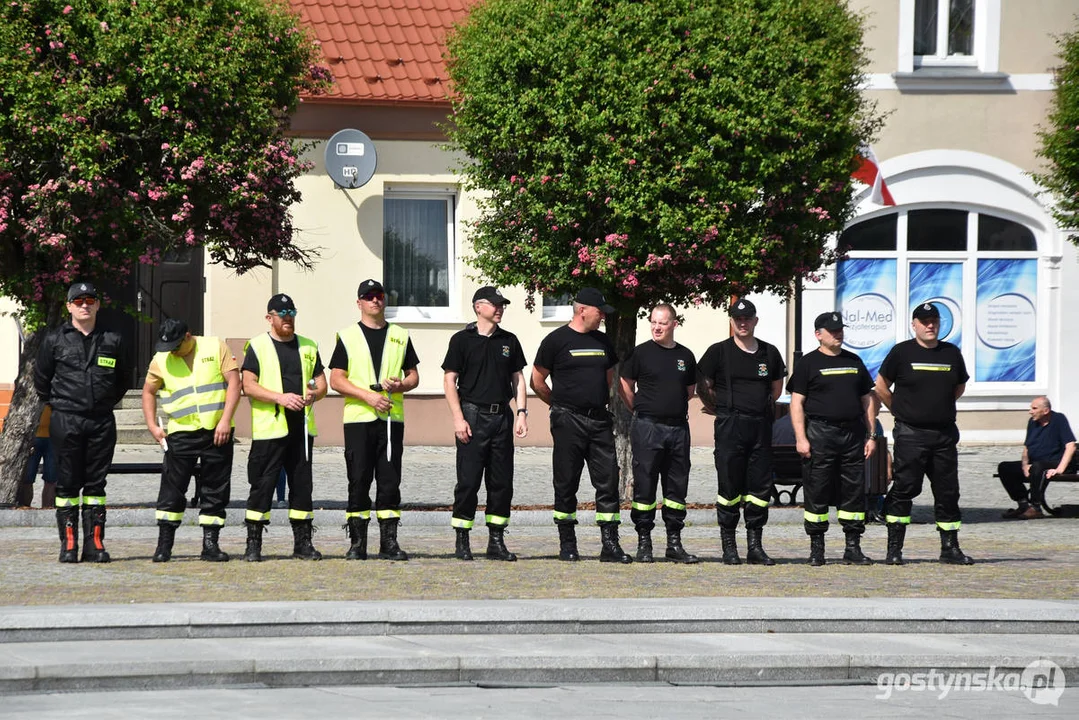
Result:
{"points": [[868, 172]]}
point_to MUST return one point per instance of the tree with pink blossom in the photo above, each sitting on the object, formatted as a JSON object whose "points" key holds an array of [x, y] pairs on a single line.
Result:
{"points": [[132, 128], [678, 151]]}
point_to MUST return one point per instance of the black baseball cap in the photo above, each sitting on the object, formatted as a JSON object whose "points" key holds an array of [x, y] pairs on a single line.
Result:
{"points": [[593, 297], [280, 302], [829, 321], [925, 311], [368, 286], [743, 309], [491, 294], [170, 335], [81, 289]]}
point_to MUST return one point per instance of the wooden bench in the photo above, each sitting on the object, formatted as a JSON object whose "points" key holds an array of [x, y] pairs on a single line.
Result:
{"points": [[155, 468]]}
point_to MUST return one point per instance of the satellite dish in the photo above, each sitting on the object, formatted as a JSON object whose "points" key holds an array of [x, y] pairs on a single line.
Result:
{"points": [[350, 158]]}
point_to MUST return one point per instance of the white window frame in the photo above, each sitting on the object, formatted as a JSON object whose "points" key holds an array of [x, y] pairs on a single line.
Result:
{"points": [[986, 57], [969, 260], [556, 313], [420, 314]]}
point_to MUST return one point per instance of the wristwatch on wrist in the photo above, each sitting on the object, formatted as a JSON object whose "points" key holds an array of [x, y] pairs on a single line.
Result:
{"points": [[523, 411], [872, 436]]}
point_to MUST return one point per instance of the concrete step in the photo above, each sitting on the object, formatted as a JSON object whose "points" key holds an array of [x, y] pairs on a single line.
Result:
{"points": [[134, 435], [778, 642]]}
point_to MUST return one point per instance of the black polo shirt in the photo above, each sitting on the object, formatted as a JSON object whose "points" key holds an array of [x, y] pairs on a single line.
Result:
{"points": [[662, 375], [752, 375], [924, 380], [833, 385], [484, 364], [578, 363]]}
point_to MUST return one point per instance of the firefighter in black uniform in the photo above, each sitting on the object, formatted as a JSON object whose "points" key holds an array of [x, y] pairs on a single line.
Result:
{"points": [[482, 373], [739, 380], [834, 416], [81, 373], [928, 375], [199, 387], [656, 384], [580, 361]]}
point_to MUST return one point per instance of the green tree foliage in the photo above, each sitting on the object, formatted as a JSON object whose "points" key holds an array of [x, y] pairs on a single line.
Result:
{"points": [[679, 150], [1060, 141], [130, 127]]}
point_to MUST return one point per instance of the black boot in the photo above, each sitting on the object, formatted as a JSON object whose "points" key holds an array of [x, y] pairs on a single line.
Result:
{"points": [[852, 555], [253, 551], [302, 548], [166, 535], [567, 543], [950, 553], [816, 550], [897, 532], [357, 535], [675, 551], [730, 547], [644, 546], [210, 550], [755, 554], [93, 528], [496, 544], [388, 549], [67, 522], [610, 550], [462, 549]]}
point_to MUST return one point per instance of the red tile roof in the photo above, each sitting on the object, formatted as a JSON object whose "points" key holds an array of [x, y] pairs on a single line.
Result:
{"points": [[383, 51]]}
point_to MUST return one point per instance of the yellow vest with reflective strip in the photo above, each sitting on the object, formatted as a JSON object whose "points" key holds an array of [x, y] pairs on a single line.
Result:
{"points": [[268, 419], [361, 371], [193, 398]]}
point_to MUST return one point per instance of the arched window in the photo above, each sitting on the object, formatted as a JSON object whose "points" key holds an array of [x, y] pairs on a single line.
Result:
{"points": [[980, 269]]}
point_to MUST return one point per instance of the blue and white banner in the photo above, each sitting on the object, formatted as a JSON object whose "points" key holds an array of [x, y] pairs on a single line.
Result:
{"points": [[1006, 321], [940, 283], [865, 294]]}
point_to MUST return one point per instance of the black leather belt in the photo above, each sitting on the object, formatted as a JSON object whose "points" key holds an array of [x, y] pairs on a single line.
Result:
{"points": [[672, 420], [592, 413], [488, 408], [837, 423]]}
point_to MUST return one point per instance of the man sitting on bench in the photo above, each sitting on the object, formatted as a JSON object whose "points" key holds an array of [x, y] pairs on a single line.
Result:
{"points": [[1049, 449]]}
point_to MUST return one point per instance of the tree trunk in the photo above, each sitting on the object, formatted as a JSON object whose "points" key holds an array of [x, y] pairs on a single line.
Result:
{"points": [[622, 329], [20, 426]]}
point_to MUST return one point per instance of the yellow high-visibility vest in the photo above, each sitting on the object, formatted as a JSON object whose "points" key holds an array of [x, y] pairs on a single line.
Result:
{"points": [[361, 371], [267, 418], [193, 398]]}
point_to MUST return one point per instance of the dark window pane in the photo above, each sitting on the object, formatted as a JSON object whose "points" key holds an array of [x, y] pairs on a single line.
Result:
{"points": [[551, 300], [416, 252], [875, 234], [936, 230], [961, 27], [925, 27], [1000, 235]]}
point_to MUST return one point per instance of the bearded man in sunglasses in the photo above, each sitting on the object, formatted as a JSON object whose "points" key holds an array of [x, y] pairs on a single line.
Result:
{"points": [[372, 366], [283, 377], [81, 373]]}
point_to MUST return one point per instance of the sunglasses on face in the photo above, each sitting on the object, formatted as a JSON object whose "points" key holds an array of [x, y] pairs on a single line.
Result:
{"points": [[372, 296], [80, 301], [285, 313]]}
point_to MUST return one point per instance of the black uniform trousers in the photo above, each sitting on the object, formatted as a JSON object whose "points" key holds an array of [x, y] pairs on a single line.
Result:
{"points": [[365, 460], [744, 468], [920, 452], [660, 454], [264, 465], [834, 474], [1014, 481], [215, 479], [84, 445], [488, 455], [584, 437]]}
